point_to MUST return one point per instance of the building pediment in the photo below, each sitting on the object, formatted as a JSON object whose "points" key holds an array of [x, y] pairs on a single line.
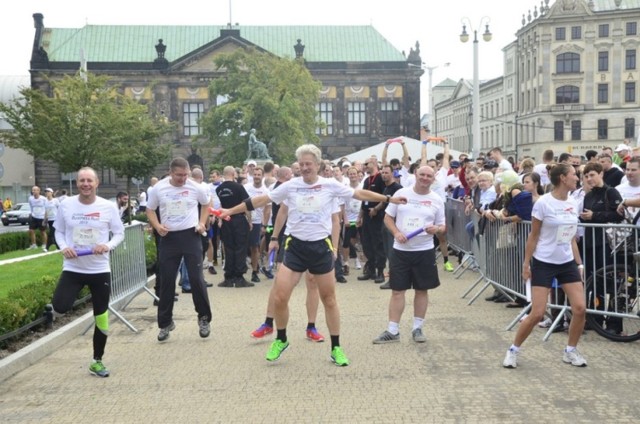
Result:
{"points": [[568, 48], [564, 8], [202, 59]]}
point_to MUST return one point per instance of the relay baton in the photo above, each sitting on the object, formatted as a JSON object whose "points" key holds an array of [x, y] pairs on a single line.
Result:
{"points": [[84, 252], [414, 233], [272, 256], [217, 213]]}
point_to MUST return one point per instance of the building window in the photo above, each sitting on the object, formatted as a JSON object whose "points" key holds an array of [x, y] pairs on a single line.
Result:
{"points": [[603, 30], [629, 92], [558, 130], [603, 93], [576, 130], [560, 34], [107, 176], [629, 128], [576, 33], [567, 63], [632, 28], [390, 118], [630, 59], [325, 116], [357, 117], [603, 129], [191, 113], [567, 94], [603, 61]]}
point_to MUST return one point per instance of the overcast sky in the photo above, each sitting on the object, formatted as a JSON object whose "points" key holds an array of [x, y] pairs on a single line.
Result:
{"points": [[402, 22]]}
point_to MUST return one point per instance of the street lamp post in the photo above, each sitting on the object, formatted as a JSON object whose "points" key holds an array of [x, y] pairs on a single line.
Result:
{"points": [[430, 69], [464, 37]]}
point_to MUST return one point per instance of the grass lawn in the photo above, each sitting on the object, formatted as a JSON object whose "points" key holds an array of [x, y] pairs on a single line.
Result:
{"points": [[21, 273]]}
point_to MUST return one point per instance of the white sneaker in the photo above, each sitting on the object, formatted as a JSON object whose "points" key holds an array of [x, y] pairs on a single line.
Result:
{"points": [[358, 264], [44, 249], [511, 359], [32, 247], [574, 358], [545, 323]]}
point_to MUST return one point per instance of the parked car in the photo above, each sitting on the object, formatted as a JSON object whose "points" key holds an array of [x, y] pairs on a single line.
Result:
{"points": [[20, 214]]}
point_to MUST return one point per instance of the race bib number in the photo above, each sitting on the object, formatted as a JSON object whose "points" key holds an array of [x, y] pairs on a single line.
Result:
{"points": [[308, 204], [566, 233], [177, 208], [412, 223], [38, 211], [85, 236]]}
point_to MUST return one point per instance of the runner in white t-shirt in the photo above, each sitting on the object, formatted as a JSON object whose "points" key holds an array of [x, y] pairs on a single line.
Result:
{"points": [[309, 246], [552, 252], [90, 226], [630, 190], [38, 205], [413, 262]]}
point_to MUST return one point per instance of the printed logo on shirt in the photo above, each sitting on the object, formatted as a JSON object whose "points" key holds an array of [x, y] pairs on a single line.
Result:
{"points": [[93, 216]]}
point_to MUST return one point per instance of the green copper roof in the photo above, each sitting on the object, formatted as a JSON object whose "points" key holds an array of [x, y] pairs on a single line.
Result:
{"points": [[113, 43]]}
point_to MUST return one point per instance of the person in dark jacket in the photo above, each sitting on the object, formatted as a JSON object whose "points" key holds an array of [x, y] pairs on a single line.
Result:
{"points": [[611, 175]]}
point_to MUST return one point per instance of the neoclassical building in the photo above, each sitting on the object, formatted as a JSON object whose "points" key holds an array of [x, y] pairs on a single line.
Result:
{"points": [[570, 83], [370, 90]]}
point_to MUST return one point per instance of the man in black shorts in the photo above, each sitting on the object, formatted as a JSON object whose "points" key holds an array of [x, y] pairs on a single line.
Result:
{"points": [[413, 261]]}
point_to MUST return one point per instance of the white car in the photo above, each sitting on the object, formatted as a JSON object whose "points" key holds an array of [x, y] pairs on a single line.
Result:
{"points": [[20, 214]]}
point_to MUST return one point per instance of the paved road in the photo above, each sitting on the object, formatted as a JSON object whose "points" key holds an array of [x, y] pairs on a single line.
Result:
{"points": [[455, 377], [12, 228]]}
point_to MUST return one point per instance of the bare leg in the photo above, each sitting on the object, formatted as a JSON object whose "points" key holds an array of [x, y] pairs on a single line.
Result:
{"points": [[539, 296], [575, 293], [283, 287], [327, 288], [396, 305], [313, 297], [420, 302]]}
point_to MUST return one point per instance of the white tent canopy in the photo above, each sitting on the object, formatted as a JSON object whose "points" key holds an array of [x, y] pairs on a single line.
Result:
{"points": [[395, 150]]}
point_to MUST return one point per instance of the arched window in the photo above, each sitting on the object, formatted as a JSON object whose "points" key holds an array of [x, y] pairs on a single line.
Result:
{"points": [[568, 63], [567, 94]]}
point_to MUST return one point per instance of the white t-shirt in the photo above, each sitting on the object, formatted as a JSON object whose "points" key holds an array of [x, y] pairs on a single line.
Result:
{"points": [[505, 165], [559, 225], [52, 208], [406, 179], [352, 208], [629, 192], [258, 213], [214, 196], [440, 183], [541, 169], [38, 206], [82, 227], [178, 205], [310, 205], [142, 199], [420, 211]]}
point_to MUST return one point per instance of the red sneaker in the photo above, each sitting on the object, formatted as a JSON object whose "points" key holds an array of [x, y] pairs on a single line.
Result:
{"points": [[313, 335], [262, 331]]}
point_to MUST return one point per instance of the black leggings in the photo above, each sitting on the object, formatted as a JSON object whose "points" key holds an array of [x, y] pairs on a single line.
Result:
{"points": [[66, 293]]}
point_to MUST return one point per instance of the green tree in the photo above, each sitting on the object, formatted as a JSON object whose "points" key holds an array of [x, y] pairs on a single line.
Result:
{"points": [[276, 96], [85, 123]]}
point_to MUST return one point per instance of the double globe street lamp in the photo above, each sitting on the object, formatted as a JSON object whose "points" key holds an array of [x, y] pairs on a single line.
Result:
{"points": [[464, 37]]}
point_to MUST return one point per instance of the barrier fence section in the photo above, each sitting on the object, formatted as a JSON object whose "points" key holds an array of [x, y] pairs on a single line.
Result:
{"points": [[611, 276], [458, 237], [128, 271]]}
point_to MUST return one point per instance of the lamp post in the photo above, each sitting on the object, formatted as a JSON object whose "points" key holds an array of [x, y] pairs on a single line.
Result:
{"points": [[464, 37], [430, 69]]}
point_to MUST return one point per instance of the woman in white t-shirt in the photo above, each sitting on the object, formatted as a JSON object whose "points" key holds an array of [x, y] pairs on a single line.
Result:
{"points": [[552, 252]]}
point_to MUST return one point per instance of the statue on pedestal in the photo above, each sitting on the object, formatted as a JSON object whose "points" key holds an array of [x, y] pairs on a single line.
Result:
{"points": [[257, 149]]}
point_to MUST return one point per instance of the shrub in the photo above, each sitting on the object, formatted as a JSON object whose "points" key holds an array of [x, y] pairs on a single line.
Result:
{"points": [[19, 240], [149, 252]]}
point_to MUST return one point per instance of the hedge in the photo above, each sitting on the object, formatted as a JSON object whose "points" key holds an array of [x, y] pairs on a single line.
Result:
{"points": [[18, 240]]}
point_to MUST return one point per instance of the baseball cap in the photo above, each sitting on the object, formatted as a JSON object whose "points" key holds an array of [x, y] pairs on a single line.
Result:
{"points": [[455, 164], [622, 147], [345, 163], [48, 189], [252, 162]]}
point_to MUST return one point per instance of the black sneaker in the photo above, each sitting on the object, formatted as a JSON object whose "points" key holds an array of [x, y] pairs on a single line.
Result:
{"points": [[379, 278], [226, 283], [341, 280], [165, 332], [254, 277], [241, 282], [212, 270], [385, 286], [267, 272], [186, 290]]}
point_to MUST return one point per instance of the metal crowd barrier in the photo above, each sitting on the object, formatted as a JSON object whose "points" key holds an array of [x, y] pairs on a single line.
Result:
{"points": [[612, 279], [128, 271], [457, 236]]}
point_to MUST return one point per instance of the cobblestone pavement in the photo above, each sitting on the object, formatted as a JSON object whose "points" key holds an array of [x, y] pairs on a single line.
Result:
{"points": [[455, 377]]}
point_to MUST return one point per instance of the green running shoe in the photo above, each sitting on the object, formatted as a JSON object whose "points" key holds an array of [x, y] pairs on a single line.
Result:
{"points": [[276, 349], [338, 357], [98, 369], [448, 266]]}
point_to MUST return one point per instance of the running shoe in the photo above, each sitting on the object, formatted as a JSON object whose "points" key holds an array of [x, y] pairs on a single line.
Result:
{"points": [[386, 337], [98, 369], [165, 332], [204, 327], [32, 247], [448, 266], [261, 331], [267, 272], [338, 357], [574, 358], [546, 323], [511, 359], [358, 264], [254, 277], [314, 335], [418, 336], [276, 349], [44, 249]]}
